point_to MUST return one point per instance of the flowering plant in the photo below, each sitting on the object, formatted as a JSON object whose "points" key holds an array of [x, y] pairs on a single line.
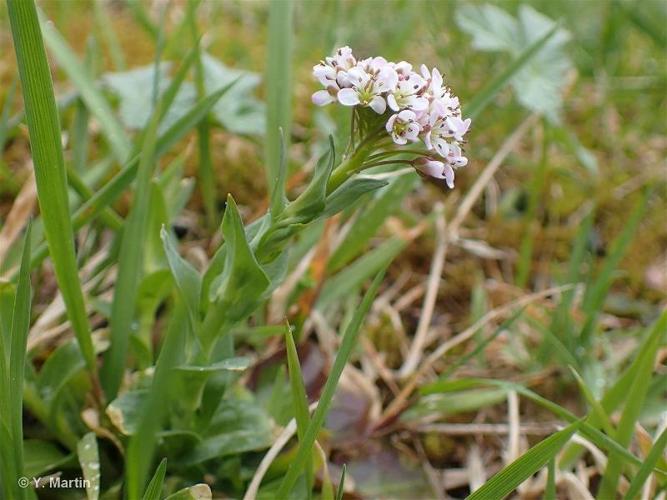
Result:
{"points": [[390, 100]]}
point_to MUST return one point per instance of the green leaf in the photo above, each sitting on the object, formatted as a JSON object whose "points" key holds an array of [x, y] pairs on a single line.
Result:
{"points": [[90, 464], [508, 479], [491, 27], [238, 111], [538, 72], [197, 492], [310, 204], [125, 411], [240, 287], [154, 489], [188, 280], [42, 457], [46, 146], [484, 96], [349, 193], [348, 343], [238, 426], [279, 89]]}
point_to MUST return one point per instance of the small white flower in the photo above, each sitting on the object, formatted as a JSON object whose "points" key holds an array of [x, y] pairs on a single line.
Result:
{"points": [[406, 94], [436, 169], [455, 156], [403, 127], [332, 74], [457, 127], [323, 97], [368, 87]]}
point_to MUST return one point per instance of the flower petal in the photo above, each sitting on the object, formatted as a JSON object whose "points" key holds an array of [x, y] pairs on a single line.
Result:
{"points": [[348, 97], [377, 104], [322, 98]]}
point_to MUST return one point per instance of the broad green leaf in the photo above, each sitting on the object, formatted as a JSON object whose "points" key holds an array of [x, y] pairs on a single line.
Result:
{"points": [[484, 96], [154, 489], [196, 492], [125, 411], [239, 111], [240, 286], [46, 147], [348, 343], [537, 45], [508, 479], [238, 426], [491, 27], [186, 277], [42, 457], [90, 464]]}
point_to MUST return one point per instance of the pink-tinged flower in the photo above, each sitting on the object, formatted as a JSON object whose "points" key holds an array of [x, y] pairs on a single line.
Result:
{"points": [[332, 74], [434, 83], [406, 95], [324, 97], [368, 85], [403, 127], [457, 127], [455, 156], [436, 169], [442, 129]]}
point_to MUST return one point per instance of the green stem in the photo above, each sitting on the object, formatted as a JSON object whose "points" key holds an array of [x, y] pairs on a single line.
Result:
{"points": [[351, 165]]}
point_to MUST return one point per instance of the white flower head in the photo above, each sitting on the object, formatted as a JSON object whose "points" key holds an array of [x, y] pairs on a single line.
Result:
{"points": [[369, 86], [332, 74], [403, 127], [406, 95]]}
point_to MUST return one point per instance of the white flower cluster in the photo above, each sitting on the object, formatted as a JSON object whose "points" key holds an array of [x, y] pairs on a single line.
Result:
{"points": [[420, 105]]}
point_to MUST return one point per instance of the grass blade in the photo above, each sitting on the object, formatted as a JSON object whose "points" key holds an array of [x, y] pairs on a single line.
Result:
{"points": [[596, 293], [130, 260], [348, 343], [340, 492], [483, 98], [505, 481], [11, 412], [142, 444], [279, 89], [155, 486], [97, 104], [205, 170], [300, 401], [633, 406], [44, 128], [647, 467]]}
